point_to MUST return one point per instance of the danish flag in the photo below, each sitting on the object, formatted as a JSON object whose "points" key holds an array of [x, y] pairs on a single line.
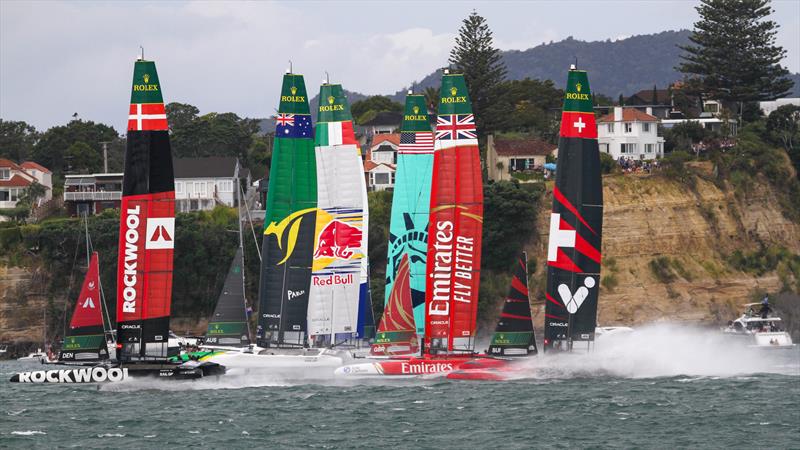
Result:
{"points": [[147, 116]]}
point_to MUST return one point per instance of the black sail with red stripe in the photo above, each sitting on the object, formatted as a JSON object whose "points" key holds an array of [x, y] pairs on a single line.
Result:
{"points": [[514, 335], [573, 253], [147, 225]]}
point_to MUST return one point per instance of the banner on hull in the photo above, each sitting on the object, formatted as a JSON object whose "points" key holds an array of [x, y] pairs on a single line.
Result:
{"points": [[288, 243], [408, 229], [574, 246], [147, 224], [455, 225]]}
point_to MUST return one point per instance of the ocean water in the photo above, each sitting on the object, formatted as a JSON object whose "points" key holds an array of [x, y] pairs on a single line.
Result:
{"points": [[661, 387]]}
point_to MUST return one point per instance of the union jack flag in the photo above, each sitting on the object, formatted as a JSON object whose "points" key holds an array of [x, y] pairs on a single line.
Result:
{"points": [[285, 119], [455, 126]]}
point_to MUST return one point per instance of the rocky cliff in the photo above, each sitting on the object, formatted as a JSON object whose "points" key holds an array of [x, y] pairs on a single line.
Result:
{"points": [[666, 248]]}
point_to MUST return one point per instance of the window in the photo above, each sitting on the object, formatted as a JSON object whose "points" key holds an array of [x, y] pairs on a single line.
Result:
{"points": [[604, 148], [648, 148], [627, 148], [179, 187], [371, 179], [4, 196], [645, 127], [392, 178], [628, 127], [226, 186], [200, 188], [15, 194], [610, 128], [381, 178], [5, 174]]}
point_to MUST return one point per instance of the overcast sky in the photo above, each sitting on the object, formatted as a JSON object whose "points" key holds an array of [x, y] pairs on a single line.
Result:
{"points": [[57, 58]]}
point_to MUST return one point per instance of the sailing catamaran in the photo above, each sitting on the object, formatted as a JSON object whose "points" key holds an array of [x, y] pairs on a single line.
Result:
{"points": [[573, 251], [454, 244]]}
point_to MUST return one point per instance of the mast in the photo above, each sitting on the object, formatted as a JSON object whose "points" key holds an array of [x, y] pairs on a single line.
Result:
{"points": [[340, 232], [147, 225], [456, 223], [576, 221], [288, 242], [411, 202], [244, 267]]}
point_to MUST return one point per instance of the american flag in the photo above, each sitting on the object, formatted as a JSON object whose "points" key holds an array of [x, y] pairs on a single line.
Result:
{"points": [[421, 142], [455, 126]]}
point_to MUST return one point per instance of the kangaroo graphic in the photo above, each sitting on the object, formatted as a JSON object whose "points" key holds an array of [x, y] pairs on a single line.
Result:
{"points": [[574, 302]]}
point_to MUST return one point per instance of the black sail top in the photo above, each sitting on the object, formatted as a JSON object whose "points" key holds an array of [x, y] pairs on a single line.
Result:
{"points": [[228, 325], [514, 334]]}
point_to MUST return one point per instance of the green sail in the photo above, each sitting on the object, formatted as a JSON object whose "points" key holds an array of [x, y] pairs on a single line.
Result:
{"points": [[289, 221], [408, 229]]}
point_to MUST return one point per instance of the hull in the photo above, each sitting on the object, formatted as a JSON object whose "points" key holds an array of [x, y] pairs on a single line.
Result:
{"points": [[290, 363], [414, 366], [111, 374]]}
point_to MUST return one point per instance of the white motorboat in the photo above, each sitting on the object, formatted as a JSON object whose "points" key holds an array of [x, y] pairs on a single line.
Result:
{"points": [[760, 330], [38, 355], [291, 363]]}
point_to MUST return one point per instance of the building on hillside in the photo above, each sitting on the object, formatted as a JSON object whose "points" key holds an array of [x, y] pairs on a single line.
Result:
{"points": [[630, 133], [15, 178], [92, 193], [380, 162], [772, 105], [709, 121], [203, 183], [384, 122], [507, 156], [658, 105]]}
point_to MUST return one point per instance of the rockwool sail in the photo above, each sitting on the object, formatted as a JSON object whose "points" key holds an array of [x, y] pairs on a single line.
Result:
{"points": [[289, 223], [228, 325], [147, 225], [456, 221], [396, 331], [408, 229], [573, 251], [513, 335], [341, 223], [85, 339]]}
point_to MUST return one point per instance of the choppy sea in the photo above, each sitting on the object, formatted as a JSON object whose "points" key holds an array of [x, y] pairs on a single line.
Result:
{"points": [[660, 387]]}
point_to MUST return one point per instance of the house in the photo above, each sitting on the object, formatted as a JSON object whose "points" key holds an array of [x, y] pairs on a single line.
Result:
{"points": [[15, 178], [384, 122], [659, 102], [92, 193], [202, 183], [631, 133], [505, 156], [380, 162], [708, 121]]}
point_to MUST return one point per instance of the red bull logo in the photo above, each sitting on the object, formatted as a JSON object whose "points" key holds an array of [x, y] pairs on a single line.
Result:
{"points": [[338, 240]]}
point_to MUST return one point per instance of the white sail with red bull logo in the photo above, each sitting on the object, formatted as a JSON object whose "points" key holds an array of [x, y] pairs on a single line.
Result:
{"points": [[340, 247]]}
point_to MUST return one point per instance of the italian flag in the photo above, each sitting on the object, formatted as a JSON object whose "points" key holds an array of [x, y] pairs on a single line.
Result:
{"points": [[335, 133]]}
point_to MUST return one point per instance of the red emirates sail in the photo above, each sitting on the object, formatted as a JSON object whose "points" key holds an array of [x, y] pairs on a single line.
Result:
{"points": [[456, 222], [147, 225]]}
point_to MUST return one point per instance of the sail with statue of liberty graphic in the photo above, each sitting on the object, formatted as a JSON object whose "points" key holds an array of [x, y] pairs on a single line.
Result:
{"points": [[339, 261], [288, 243], [408, 228], [576, 222]]}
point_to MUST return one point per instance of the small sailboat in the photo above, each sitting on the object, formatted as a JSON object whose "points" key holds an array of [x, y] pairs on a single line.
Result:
{"points": [[396, 332], [228, 326]]}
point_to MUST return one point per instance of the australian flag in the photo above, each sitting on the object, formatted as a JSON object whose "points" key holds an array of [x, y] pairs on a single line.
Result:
{"points": [[294, 126]]}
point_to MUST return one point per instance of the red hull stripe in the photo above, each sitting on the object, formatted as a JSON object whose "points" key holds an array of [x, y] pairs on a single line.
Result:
{"points": [[563, 200]]}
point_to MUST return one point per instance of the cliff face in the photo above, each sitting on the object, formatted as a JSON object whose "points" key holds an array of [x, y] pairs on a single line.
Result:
{"points": [[690, 232]]}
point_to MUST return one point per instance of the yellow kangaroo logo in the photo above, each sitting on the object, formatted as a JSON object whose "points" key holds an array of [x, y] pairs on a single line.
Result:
{"points": [[294, 219]]}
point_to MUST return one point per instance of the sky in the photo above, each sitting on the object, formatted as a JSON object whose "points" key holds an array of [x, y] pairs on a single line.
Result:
{"points": [[58, 58]]}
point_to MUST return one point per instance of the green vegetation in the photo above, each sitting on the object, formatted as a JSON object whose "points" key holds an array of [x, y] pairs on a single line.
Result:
{"points": [[607, 164], [609, 281], [766, 259], [205, 242], [380, 213], [366, 110]]}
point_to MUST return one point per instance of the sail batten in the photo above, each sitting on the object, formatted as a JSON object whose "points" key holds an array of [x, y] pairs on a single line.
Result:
{"points": [[574, 246], [147, 224]]}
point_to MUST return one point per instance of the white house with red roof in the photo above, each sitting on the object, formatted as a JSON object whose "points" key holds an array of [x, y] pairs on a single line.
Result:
{"points": [[15, 178], [631, 133], [380, 162]]}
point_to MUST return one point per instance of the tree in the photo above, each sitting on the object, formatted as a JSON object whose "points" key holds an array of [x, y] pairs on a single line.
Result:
{"points": [[431, 99], [374, 104], [16, 140], [83, 159], [181, 115], [475, 56], [784, 126], [733, 56], [50, 150], [509, 215], [526, 106]]}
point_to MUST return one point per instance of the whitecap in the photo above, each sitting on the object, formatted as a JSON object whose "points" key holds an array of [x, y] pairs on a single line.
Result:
{"points": [[110, 435], [16, 413], [27, 433]]}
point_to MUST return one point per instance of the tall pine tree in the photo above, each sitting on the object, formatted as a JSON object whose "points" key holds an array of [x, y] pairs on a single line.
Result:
{"points": [[733, 56], [475, 57]]}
